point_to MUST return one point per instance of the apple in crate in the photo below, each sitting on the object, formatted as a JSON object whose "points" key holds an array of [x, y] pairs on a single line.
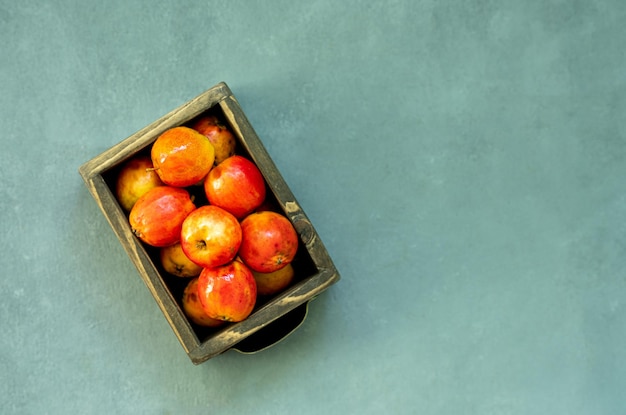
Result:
{"points": [[273, 282], [210, 236], [175, 262], [157, 216], [236, 185], [193, 308], [218, 134], [182, 156], [269, 241], [227, 292], [136, 177]]}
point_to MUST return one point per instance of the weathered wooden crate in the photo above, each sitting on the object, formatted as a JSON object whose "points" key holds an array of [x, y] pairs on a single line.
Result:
{"points": [[273, 318]]}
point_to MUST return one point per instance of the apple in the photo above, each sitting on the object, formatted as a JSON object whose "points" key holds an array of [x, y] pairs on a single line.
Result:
{"points": [[182, 156], [235, 185], [193, 308], [227, 292], [135, 178], [175, 262], [218, 134], [157, 216], [269, 241], [210, 236], [273, 282], [204, 121]]}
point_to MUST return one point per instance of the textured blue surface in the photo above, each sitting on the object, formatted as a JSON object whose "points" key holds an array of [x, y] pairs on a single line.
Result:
{"points": [[464, 163]]}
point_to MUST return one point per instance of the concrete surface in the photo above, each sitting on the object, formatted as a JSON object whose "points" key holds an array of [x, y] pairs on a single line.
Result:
{"points": [[463, 161]]}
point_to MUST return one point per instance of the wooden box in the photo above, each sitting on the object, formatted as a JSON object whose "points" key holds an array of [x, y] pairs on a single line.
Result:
{"points": [[273, 318]]}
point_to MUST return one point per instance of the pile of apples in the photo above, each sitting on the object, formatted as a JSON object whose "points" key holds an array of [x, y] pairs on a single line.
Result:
{"points": [[233, 247]]}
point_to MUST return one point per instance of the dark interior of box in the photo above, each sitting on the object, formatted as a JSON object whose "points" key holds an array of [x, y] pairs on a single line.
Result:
{"points": [[304, 267]]}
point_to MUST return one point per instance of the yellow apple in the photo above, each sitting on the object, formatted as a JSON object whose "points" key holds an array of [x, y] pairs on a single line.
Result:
{"points": [[193, 309], [136, 177], [176, 262], [271, 283]]}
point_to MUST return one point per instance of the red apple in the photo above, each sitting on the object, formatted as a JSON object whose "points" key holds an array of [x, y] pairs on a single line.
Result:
{"points": [[204, 120], [218, 134], [210, 236], [269, 241], [193, 308], [235, 185], [227, 292], [182, 156], [136, 177], [157, 216]]}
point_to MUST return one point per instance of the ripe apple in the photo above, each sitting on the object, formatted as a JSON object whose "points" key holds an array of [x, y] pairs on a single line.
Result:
{"points": [[269, 241], [204, 120], [273, 282], [227, 292], [157, 216], [235, 185], [218, 134], [136, 177], [182, 156], [175, 262], [193, 308], [210, 236]]}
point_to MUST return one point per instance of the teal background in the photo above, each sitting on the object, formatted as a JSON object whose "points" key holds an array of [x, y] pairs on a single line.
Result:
{"points": [[463, 161]]}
